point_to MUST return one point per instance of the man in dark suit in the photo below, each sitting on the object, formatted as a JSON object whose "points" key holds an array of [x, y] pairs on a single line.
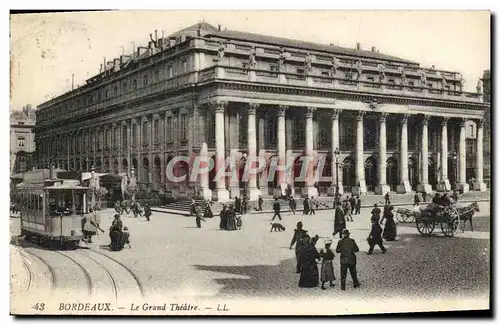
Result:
{"points": [[276, 208], [375, 237], [347, 248], [298, 235]]}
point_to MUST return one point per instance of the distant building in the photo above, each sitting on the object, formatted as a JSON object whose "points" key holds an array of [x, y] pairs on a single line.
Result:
{"points": [[22, 140], [487, 129]]}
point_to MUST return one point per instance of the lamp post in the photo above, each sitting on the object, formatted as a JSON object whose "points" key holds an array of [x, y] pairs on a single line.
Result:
{"points": [[455, 165], [336, 153]]}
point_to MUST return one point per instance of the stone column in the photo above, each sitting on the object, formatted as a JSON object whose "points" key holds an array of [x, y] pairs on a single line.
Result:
{"points": [[462, 181], [309, 190], [220, 152], [335, 145], [404, 186], [444, 183], [360, 187], [281, 151], [479, 185], [129, 146], [253, 190], [424, 185], [206, 192], [382, 188]]}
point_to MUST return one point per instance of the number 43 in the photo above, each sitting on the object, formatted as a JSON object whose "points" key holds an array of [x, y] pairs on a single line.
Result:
{"points": [[38, 306]]}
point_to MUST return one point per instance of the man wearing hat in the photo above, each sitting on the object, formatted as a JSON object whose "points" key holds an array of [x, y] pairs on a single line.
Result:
{"points": [[339, 221], [327, 274], [298, 235], [347, 248]]}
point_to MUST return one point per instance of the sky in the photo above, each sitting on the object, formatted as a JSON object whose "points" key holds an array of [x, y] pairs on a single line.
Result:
{"points": [[46, 49]]}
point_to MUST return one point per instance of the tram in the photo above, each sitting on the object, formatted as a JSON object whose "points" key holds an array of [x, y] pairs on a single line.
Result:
{"points": [[52, 209]]}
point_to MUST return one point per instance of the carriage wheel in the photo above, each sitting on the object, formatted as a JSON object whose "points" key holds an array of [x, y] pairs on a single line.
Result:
{"points": [[400, 217], [410, 218], [425, 227], [451, 227]]}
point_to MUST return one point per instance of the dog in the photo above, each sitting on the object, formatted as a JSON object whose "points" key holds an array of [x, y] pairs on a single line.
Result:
{"points": [[276, 226], [239, 222]]}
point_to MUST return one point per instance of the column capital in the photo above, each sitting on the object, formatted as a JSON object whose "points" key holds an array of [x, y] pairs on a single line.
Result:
{"points": [[219, 106], [383, 117], [133, 120], [156, 116], [463, 121], [335, 113], [252, 108], [360, 116], [282, 110], [124, 123], [310, 112], [404, 118], [444, 121], [425, 120], [144, 118]]}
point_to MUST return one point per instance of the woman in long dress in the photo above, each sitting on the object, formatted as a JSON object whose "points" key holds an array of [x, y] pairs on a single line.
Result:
{"points": [[309, 275], [390, 226], [327, 256], [231, 219]]}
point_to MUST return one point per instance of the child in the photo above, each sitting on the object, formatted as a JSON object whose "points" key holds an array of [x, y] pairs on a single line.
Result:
{"points": [[126, 237], [327, 265], [239, 222]]}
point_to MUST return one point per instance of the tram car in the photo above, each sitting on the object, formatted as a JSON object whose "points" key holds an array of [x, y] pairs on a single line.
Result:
{"points": [[52, 209]]}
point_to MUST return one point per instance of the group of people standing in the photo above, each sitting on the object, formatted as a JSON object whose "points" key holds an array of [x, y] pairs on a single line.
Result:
{"points": [[228, 218], [308, 257], [127, 206]]}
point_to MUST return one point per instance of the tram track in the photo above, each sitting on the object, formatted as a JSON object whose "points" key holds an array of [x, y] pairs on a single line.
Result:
{"points": [[84, 271], [52, 272], [30, 275]]}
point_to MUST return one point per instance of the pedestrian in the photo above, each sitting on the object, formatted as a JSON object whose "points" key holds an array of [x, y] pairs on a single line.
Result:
{"points": [[347, 210], [416, 199], [118, 207], [223, 218], [306, 206], [424, 196], [288, 191], [231, 218], [455, 196], [237, 205], [276, 209], [208, 211], [352, 200], [260, 201], [375, 213], [244, 204], [126, 237], [327, 256], [309, 276], [339, 222], [375, 238], [293, 204], [126, 207], [297, 240], [147, 212], [311, 206], [115, 234], [199, 217], [387, 198], [91, 224], [390, 230], [192, 208], [358, 205], [347, 248]]}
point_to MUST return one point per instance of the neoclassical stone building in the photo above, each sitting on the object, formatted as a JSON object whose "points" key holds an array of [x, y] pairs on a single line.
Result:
{"points": [[398, 126]]}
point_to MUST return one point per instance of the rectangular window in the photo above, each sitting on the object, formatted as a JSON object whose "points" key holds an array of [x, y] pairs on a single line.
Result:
{"points": [[169, 129], [115, 137], [134, 134], [370, 79], [184, 66], [347, 135], [184, 127], [125, 137], [392, 82], [300, 71], [274, 68], [20, 142], [271, 130], [156, 126], [170, 71], [299, 132], [243, 129], [210, 129], [145, 133], [325, 73], [411, 83]]}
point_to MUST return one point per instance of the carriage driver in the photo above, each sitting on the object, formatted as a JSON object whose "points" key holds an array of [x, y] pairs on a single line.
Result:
{"points": [[91, 224]]}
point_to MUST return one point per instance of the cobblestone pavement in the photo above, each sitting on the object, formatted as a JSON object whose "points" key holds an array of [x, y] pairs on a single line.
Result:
{"points": [[171, 257]]}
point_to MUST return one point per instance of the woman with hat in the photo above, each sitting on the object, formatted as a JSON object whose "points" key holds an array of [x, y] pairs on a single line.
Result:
{"points": [[231, 218], [327, 256], [390, 226], [309, 277], [298, 236], [115, 234]]}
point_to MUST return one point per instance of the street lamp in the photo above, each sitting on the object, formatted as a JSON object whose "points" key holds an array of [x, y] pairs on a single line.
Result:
{"points": [[455, 165], [336, 153]]}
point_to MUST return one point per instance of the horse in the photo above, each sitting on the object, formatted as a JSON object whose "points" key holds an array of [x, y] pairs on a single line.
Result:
{"points": [[466, 214]]}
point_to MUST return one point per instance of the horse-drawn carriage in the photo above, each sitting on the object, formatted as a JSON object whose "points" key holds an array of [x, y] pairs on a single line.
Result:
{"points": [[448, 217]]}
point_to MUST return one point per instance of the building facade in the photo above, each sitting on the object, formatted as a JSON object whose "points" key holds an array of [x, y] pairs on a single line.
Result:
{"points": [[218, 93], [486, 80], [22, 140]]}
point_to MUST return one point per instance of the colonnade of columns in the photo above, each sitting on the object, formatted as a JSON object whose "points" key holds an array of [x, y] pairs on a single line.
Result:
{"points": [[360, 188]]}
